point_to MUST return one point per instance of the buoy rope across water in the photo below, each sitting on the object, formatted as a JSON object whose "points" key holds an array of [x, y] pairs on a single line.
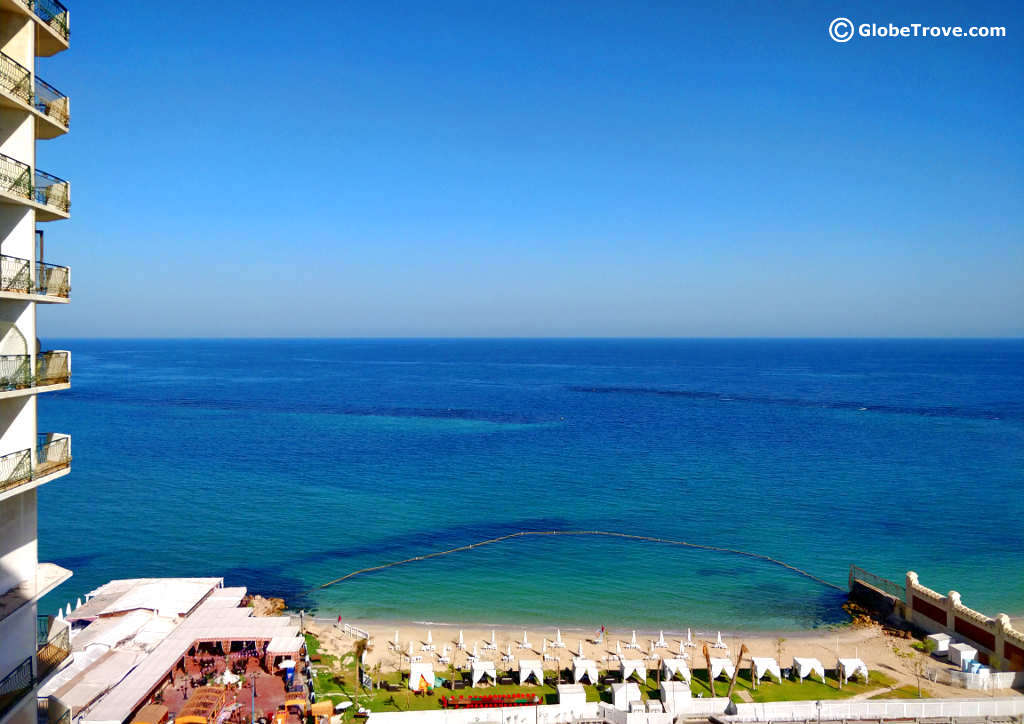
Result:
{"points": [[604, 533]]}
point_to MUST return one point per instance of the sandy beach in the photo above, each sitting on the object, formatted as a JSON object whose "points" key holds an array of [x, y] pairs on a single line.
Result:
{"points": [[869, 643]]}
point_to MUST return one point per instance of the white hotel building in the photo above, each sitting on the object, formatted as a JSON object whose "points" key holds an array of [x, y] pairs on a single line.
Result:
{"points": [[31, 648]]}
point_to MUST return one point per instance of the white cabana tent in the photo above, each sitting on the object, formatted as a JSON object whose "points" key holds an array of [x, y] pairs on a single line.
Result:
{"points": [[572, 695], [623, 694], [528, 668], [670, 668], [421, 676], [675, 696], [628, 667], [853, 667], [482, 669], [584, 667], [942, 642], [722, 666], [806, 667], [766, 665]]}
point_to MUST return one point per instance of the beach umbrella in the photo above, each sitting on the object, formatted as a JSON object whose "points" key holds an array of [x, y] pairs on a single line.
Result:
{"points": [[526, 641], [579, 648], [60, 615], [618, 649], [544, 646], [661, 640], [633, 640], [69, 609], [410, 648], [718, 643], [286, 664], [396, 637], [689, 638], [508, 651], [558, 636], [78, 603], [493, 640], [462, 643], [342, 705], [430, 639], [682, 647], [475, 654]]}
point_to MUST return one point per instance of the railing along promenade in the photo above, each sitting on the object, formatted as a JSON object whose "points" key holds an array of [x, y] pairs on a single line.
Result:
{"points": [[51, 280], [53, 453]]}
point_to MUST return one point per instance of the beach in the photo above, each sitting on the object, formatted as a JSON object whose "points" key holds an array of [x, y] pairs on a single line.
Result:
{"points": [[871, 644]]}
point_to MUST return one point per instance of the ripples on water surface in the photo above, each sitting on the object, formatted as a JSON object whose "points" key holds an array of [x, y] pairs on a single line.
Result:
{"points": [[283, 464]]}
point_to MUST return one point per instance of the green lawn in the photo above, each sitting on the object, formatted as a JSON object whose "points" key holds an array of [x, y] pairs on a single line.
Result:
{"points": [[903, 692], [810, 689]]}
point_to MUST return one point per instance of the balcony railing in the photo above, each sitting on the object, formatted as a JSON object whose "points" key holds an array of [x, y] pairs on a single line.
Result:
{"points": [[52, 102], [15, 78], [52, 454], [52, 191], [18, 178], [15, 685], [54, 649], [52, 368], [53, 13], [51, 280]]}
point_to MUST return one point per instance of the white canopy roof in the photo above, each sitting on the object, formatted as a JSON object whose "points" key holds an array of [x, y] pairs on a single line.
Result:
{"points": [[528, 667], [720, 666], [628, 667], [675, 696], [282, 645], [482, 669], [584, 667], [572, 695], [421, 675], [806, 667], [672, 667], [852, 667], [766, 665], [623, 694]]}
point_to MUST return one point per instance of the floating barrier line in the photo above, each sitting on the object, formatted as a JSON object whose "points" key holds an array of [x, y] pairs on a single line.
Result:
{"points": [[604, 533]]}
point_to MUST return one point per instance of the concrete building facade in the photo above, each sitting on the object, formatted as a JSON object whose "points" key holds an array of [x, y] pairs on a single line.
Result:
{"points": [[31, 110]]}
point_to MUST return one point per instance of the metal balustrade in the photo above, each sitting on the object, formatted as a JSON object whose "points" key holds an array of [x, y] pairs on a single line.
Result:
{"points": [[51, 191], [15, 177], [51, 102], [15, 372], [51, 280], [52, 454], [53, 368], [53, 13], [54, 650], [16, 685], [15, 78]]}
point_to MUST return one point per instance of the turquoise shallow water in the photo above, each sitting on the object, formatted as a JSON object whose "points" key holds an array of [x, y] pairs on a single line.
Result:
{"points": [[283, 464]]}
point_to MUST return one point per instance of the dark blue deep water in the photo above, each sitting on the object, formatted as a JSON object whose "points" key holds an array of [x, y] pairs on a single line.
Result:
{"points": [[283, 464]]}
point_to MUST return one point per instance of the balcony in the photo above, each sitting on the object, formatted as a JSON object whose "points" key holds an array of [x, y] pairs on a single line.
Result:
{"points": [[49, 195], [54, 646], [52, 283], [50, 108], [47, 577], [16, 686], [50, 460], [52, 21], [52, 371]]}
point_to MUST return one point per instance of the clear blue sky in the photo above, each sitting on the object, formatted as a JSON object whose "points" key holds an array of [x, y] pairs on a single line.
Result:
{"points": [[377, 168]]}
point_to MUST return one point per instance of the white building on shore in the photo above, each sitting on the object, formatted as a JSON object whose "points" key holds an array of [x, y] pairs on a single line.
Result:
{"points": [[31, 649]]}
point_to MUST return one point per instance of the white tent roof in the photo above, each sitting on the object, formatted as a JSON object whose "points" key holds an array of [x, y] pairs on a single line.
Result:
{"points": [[572, 695], [806, 667], [285, 645], [675, 695], [628, 667], [671, 667], [623, 694], [481, 669], [419, 672], [530, 666], [584, 667], [766, 665], [852, 667], [720, 666], [166, 596]]}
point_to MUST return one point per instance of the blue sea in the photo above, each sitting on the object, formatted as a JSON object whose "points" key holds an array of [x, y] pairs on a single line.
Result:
{"points": [[283, 464]]}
